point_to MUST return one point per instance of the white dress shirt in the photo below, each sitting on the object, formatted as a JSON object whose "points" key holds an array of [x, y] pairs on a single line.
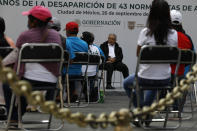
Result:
{"points": [[111, 51]]}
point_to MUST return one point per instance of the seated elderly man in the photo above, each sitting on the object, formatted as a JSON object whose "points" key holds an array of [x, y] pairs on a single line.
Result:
{"points": [[114, 56], [37, 74]]}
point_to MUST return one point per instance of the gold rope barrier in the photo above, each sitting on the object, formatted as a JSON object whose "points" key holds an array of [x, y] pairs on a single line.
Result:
{"points": [[120, 120]]}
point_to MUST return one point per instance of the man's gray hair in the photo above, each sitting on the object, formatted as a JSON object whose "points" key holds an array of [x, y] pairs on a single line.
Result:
{"points": [[113, 35]]}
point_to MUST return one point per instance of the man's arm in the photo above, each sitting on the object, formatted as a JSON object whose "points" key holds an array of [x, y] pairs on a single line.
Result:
{"points": [[119, 55], [103, 48]]}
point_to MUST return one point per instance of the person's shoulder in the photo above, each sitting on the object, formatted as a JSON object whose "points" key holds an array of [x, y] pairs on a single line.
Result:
{"points": [[181, 34], [172, 32], [25, 33], [117, 45], [95, 45], [172, 37], [83, 42], [68, 42], [183, 37], [54, 32], [144, 30], [104, 44]]}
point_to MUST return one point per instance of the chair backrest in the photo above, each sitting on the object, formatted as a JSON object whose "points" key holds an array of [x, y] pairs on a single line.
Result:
{"points": [[188, 57], [94, 59], [66, 62], [66, 56], [159, 55], [40, 53], [81, 58], [4, 51]]}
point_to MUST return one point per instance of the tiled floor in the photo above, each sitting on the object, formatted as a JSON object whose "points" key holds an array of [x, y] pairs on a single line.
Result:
{"points": [[112, 103]]}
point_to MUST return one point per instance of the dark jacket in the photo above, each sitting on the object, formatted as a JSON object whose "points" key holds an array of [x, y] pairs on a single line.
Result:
{"points": [[118, 51]]}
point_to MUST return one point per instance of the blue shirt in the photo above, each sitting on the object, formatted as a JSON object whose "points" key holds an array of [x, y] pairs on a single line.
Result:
{"points": [[75, 44]]}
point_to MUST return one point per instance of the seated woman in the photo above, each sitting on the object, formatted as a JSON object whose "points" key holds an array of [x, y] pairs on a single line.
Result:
{"points": [[44, 74], [5, 41], [158, 31], [95, 50]]}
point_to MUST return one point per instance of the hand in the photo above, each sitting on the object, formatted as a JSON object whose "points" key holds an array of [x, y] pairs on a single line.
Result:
{"points": [[108, 61], [112, 60]]}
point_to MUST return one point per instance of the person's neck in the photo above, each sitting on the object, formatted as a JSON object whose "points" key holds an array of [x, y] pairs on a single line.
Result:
{"points": [[111, 44], [35, 27], [71, 35]]}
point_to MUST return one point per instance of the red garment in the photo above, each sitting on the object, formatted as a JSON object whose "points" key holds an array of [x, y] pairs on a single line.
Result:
{"points": [[183, 43]]}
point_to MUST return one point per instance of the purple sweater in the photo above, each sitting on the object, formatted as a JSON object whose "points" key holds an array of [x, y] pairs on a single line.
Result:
{"points": [[35, 35]]}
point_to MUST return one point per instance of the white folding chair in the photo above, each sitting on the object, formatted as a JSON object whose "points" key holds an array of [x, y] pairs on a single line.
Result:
{"points": [[156, 55], [81, 58], [116, 81], [38, 53], [188, 57], [94, 60]]}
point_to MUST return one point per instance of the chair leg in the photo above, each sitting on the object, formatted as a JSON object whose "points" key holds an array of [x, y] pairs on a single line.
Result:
{"points": [[87, 86], [195, 92], [81, 93], [10, 111], [114, 74], [192, 107], [88, 90], [103, 76], [166, 118], [54, 97], [68, 89], [121, 80], [50, 119], [19, 112], [131, 100], [138, 94], [61, 91], [98, 85]]}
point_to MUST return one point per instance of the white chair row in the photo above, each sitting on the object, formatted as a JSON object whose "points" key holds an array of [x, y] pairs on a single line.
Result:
{"points": [[161, 55], [49, 53]]}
